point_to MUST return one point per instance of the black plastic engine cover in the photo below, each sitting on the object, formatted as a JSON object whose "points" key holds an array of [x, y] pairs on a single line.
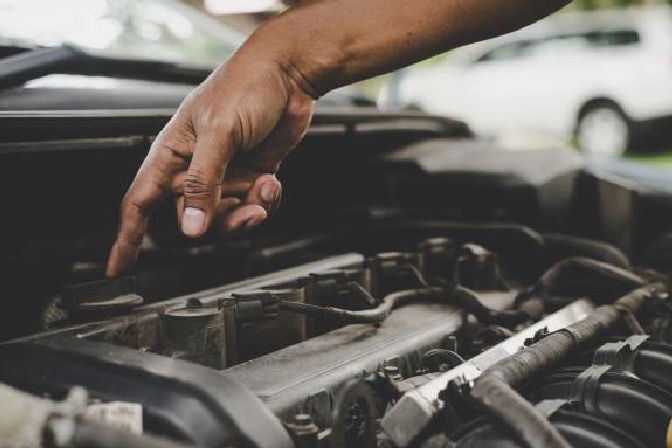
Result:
{"points": [[180, 400], [483, 181]]}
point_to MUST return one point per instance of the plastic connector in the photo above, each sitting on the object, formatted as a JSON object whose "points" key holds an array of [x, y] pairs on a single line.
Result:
{"points": [[256, 306]]}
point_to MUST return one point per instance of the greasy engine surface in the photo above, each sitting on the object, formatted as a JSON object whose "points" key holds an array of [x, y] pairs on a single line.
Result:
{"points": [[390, 323], [442, 294]]}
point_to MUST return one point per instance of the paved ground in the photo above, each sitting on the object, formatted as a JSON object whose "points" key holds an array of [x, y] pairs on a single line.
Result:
{"points": [[659, 158], [648, 169]]}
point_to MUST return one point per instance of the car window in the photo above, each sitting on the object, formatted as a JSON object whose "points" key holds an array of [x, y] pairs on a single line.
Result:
{"points": [[508, 51], [567, 41], [604, 38], [616, 38], [154, 29]]}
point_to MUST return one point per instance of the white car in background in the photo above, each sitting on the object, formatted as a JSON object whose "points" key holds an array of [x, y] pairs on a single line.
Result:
{"points": [[602, 79]]}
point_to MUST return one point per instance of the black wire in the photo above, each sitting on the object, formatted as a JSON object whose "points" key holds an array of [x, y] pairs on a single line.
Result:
{"points": [[374, 315], [459, 296]]}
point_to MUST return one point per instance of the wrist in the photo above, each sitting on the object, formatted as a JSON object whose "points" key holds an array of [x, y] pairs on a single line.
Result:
{"points": [[313, 57]]}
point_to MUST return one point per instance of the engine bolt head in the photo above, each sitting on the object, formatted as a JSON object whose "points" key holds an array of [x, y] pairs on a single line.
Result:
{"points": [[303, 419], [391, 370]]}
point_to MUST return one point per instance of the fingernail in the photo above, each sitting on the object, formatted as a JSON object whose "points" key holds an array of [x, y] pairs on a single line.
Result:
{"points": [[193, 221], [253, 222], [268, 191]]}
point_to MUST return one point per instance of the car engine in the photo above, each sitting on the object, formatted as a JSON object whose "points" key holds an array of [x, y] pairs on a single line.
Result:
{"points": [[418, 288]]}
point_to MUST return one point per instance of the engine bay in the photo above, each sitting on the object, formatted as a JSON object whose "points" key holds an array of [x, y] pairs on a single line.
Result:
{"points": [[436, 293]]}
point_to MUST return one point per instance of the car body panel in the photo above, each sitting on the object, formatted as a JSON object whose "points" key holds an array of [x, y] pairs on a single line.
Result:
{"points": [[543, 87]]}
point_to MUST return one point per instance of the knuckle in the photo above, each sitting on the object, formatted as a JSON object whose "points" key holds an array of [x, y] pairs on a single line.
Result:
{"points": [[213, 122], [128, 205], [197, 186], [130, 210]]}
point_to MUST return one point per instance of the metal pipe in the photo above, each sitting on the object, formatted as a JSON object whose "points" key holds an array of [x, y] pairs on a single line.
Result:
{"points": [[494, 389], [371, 316], [416, 409], [459, 296]]}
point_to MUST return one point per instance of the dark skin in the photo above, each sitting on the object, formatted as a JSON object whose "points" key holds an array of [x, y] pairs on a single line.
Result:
{"points": [[218, 155]]}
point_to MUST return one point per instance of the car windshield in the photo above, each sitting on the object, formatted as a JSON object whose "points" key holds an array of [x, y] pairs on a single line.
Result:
{"points": [[148, 29]]}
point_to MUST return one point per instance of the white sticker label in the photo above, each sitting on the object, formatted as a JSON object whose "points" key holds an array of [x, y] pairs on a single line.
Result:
{"points": [[120, 414]]}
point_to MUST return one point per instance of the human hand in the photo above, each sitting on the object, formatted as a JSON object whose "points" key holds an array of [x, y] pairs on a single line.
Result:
{"points": [[218, 154]]}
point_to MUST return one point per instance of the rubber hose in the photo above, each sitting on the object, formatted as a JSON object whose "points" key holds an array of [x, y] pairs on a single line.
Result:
{"points": [[634, 404], [593, 272], [494, 388], [581, 430], [572, 246], [654, 364], [518, 415]]}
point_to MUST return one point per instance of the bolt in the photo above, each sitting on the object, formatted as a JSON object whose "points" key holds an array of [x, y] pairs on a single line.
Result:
{"points": [[451, 343], [305, 431], [303, 419], [392, 372], [194, 303]]}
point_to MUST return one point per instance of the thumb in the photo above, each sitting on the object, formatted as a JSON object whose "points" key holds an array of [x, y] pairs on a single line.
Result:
{"points": [[203, 184]]}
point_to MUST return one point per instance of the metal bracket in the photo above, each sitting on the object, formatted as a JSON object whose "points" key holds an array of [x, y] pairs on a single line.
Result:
{"points": [[611, 357], [620, 356], [584, 388]]}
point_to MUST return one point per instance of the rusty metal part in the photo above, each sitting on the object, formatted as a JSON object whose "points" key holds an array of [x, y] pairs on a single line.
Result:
{"points": [[196, 333]]}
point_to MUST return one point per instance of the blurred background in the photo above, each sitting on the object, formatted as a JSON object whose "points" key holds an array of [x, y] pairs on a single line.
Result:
{"points": [[594, 78]]}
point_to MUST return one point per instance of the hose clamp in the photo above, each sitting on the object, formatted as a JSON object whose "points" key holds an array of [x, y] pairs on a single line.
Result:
{"points": [[574, 334], [611, 357], [584, 389]]}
